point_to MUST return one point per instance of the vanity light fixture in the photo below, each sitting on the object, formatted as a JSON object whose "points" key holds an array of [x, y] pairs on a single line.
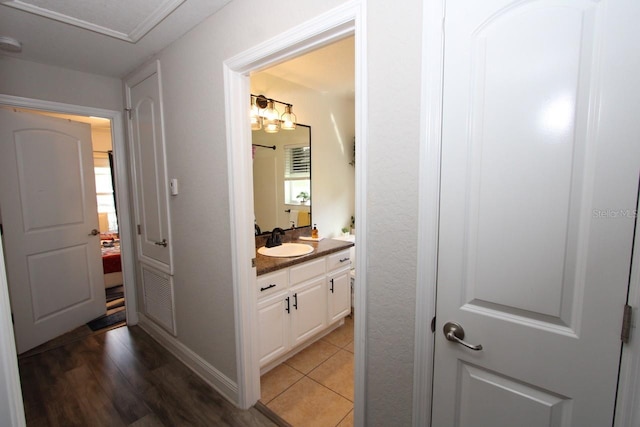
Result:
{"points": [[271, 119], [264, 115], [288, 118], [256, 120]]}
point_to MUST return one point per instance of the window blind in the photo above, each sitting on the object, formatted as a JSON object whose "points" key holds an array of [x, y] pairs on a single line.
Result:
{"points": [[297, 161]]}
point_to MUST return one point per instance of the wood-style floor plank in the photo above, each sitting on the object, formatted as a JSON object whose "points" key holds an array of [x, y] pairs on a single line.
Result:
{"points": [[121, 377]]}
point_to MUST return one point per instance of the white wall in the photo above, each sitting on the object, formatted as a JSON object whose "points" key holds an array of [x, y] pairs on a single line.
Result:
{"points": [[332, 121], [38, 81], [394, 76]]}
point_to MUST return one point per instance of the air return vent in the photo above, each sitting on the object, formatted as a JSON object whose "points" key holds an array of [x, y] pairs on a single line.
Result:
{"points": [[158, 298]]}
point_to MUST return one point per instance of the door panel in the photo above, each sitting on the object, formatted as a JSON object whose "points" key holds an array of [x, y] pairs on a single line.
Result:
{"points": [[540, 165], [521, 405], [48, 202], [147, 134]]}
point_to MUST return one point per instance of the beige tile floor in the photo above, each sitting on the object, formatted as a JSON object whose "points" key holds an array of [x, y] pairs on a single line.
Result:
{"points": [[315, 387]]}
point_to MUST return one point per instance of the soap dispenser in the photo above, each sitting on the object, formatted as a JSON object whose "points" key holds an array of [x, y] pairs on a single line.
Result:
{"points": [[314, 232]]}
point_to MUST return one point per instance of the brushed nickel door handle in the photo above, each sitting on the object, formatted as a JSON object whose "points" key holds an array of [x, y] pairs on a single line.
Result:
{"points": [[94, 232], [454, 332]]}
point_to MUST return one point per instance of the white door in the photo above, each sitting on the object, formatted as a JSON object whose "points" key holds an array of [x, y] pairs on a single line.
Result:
{"points": [[540, 163], [150, 176], [49, 212]]}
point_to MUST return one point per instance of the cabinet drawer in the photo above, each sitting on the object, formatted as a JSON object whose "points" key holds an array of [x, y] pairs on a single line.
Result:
{"points": [[272, 282], [338, 260], [307, 271]]}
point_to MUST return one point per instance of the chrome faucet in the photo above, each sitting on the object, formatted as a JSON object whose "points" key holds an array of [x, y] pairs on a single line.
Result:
{"points": [[275, 239]]}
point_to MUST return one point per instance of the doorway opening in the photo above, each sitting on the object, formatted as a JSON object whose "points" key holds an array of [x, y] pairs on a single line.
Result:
{"points": [[339, 23], [321, 86], [106, 202]]}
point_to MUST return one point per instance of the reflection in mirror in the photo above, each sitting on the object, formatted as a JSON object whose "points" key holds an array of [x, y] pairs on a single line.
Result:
{"points": [[282, 178]]}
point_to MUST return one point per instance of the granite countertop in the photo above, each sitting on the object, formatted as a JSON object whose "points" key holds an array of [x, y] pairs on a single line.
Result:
{"points": [[266, 264]]}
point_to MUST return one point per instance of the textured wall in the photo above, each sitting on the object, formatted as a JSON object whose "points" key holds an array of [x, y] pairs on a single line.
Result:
{"points": [[394, 49], [33, 80]]}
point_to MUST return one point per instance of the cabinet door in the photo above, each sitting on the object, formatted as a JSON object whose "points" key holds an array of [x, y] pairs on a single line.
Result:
{"points": [[273, 324], [149, 168], [308, 309], [339, 295]]}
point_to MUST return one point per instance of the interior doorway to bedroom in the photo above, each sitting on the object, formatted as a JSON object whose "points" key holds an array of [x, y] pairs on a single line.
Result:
{"points": [[108, 221]]}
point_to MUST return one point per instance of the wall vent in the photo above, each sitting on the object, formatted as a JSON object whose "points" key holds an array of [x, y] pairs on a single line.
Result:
{"points": [[158, 298]]}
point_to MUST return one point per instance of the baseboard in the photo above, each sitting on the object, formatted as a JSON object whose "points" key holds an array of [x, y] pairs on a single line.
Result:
{"points": [[198, 365]]}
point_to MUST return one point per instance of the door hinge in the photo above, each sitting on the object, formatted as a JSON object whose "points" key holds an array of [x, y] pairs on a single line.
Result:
{"points": [[139, 229], [253, 262], [13, 321], [130, 112], [433, 324], [625, 335]]}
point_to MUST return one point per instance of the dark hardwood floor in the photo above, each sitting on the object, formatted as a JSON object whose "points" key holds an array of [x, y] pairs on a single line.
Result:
{"points": [[121, 377]]}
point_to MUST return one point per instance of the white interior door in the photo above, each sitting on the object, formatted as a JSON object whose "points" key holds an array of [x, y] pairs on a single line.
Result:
{"points": [[540, 163], [49, 209], [150, 175]]}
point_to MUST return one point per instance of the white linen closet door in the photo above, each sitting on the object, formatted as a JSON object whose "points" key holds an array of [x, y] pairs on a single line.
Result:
{"points": [[50, 221], [540, 164], [146, 130]]}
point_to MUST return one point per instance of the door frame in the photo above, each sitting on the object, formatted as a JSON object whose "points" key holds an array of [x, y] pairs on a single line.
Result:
{"points": [[122, 182], [343, 21], [433, 13], [627, 413]]}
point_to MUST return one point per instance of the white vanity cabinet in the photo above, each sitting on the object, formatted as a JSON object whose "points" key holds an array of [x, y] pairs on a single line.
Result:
{"points": [[298, 303], [338, 286]]}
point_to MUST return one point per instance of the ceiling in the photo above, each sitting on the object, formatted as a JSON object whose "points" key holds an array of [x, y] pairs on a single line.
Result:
{"points": [[106, 37], [330, 69], [114, 37]]}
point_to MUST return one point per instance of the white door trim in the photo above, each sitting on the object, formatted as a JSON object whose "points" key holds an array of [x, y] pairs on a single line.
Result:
{"points": [[13, 409], [628, 401], [122, 181], [348, 19], [428, 206]]}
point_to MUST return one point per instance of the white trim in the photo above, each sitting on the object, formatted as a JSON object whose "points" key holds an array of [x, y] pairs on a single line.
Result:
{"points": [[334, 25], [216, 379], [152, 19], [122, 182], [13, 409], [428, 206], [628, 401]]}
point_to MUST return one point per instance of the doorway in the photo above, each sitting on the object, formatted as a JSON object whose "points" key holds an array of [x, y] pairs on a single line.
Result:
{"points": [[112, 125], [105, 199], [320, 86], [340, 23]]}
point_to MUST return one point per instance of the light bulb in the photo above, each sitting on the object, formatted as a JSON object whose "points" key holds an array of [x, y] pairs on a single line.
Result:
{"points": [[288, 119], [271, 120], [256, 120]]}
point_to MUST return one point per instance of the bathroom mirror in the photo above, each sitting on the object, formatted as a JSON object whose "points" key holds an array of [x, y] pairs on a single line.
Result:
{"points": [[282, 178]]}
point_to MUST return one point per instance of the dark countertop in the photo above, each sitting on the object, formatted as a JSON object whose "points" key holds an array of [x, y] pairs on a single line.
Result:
{"points": [[266, 264]]}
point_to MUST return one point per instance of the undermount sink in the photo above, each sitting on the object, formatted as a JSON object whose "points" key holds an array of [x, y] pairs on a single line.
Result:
{"points": [[286, 250]]}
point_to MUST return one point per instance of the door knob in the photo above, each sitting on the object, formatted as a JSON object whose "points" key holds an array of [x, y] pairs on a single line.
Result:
{"points": [[454, 332], [94, 232]]}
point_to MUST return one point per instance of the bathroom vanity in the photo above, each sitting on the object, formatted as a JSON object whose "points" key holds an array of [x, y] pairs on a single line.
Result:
{"points": [[301, 299]]}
